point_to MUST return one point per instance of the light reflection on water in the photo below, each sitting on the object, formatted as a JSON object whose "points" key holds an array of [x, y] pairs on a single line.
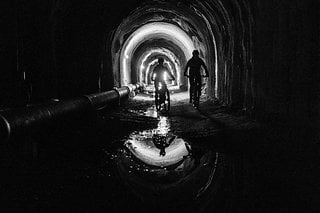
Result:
{"points": [[151, 112], [157, 147]]}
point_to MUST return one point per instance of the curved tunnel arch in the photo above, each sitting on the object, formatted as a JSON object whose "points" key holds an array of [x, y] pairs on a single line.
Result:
{"points": [[224, 31], [153, 54], [173, 52], [148, 32], [185, 19], [215, 28]]}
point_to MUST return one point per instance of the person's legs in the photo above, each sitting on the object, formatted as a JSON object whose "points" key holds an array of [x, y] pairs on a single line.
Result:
{"points": [[163, 91], [198, 86], [156, 87], [192, 86]]}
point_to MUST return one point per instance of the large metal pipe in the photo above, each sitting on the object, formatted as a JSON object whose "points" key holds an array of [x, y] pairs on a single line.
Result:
{"points": [[16, 120]]}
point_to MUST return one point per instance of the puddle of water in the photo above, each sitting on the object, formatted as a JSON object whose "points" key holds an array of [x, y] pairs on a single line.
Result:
{"points": [[157, 147], [151, 112], [145, 149], [161, 167]]}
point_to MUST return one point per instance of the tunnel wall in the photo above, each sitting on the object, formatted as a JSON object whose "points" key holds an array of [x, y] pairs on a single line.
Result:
{"points": [[286, 85], [285, 60]]}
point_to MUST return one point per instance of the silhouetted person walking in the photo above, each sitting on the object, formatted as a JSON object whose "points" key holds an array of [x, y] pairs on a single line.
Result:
{"points": [[195, 64]]}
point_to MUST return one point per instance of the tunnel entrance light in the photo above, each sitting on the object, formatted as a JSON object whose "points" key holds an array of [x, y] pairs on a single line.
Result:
{"points": [[151, 31], [171, 61]]}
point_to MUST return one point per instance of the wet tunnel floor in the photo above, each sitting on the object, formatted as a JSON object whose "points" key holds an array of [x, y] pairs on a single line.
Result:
{"points": [[135, 159]]}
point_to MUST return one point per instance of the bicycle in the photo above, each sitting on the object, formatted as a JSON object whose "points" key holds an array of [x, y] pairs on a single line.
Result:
{"points": [[162, 97], [196, 92]]}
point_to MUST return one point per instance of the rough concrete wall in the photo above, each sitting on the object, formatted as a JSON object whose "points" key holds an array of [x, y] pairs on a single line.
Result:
{"points": [[286, 75], [286, 55]]}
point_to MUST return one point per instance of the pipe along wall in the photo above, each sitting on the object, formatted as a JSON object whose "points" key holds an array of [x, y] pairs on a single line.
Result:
{"points": [[15, 121]]}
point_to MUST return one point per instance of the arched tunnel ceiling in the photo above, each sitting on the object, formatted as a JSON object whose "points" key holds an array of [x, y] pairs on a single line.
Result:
{"points": [[145, 57], [152, 31], [216, 28], [171, 20], [153, 48], [161, 45]]}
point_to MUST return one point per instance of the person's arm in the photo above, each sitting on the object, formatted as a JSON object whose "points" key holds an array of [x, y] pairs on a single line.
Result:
{"points": [[205, 68], [186, 69], [171, 76]]}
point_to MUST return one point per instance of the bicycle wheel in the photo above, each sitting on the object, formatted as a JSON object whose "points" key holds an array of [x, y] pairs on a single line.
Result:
{"points": [[196, 96], [196, 102], [193, 96], [167, 100], [157, 101]]}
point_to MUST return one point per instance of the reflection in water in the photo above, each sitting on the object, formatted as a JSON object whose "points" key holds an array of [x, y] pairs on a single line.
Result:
{"points": [[158, 147], [162, 142], [162, 168], [165, 154]]}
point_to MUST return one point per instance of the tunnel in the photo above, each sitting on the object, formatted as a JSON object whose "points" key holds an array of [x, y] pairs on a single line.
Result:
{"points": [[165, 29], [79, 129]]}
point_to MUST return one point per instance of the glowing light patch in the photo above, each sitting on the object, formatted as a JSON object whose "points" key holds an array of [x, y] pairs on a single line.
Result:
{"points": [[159, 51], [148, 68], [166, 77], [141, 145], [149, 31], [149, 154]]}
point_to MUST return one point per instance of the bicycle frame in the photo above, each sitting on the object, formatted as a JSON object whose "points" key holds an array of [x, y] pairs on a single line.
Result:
{"points": [[195, 91], [162, 97]]}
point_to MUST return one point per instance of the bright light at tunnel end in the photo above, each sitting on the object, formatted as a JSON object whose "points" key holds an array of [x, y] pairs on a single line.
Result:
{"points": [[155, 30], [146, 63]]}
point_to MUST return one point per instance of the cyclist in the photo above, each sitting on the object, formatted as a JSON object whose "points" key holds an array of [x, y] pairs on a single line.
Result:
{"points": [[159, 73], [195, 64]]}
